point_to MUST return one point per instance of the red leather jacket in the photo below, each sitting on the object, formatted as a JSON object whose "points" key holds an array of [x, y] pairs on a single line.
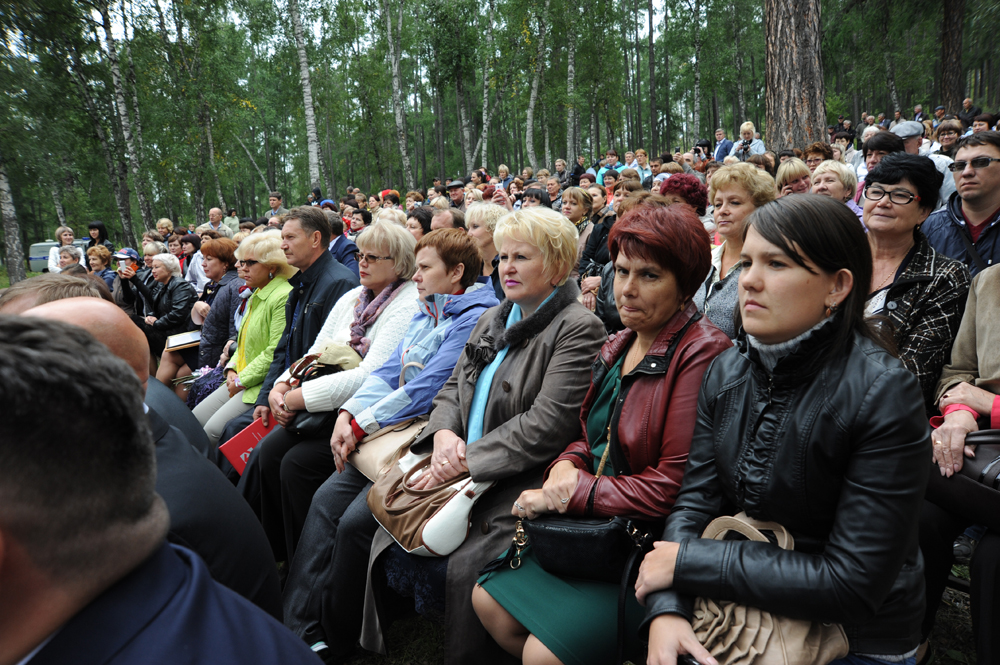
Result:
{"points": [[652, 424]]}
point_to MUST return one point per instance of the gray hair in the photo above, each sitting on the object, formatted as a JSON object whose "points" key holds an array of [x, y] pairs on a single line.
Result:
{"points": [[73, 251], [170, 262], [396, 241]]}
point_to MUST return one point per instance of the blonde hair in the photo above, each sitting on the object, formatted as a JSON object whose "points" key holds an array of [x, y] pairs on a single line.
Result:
{"points": [[792, 168], [397, 241], [503, 169], [748, 126], [392, 215], [758, 184], [170, 262], [239, 237], [672, 167], [560, 161], [487, 214], [441, 203], [266, 247], [846, 174], [61, 230], [163, 221], [726, 161], [542, 173], [476, 194], [549, 231]]}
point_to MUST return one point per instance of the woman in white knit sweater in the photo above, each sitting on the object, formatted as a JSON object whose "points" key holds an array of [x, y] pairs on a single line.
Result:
{"points": [[368, 321]]}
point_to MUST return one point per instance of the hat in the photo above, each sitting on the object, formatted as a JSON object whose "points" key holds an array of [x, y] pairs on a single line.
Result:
{"points": [[908, 129], [703, 143], [938, 108], [127, 253], [456, 183]]}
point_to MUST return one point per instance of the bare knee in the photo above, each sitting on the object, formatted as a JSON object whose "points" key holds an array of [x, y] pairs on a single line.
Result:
{"points": [[499, 623], [536, 653]]}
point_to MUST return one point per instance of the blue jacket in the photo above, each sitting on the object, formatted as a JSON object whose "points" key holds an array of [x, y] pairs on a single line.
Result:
{"points": [[618, 166], [167, 611], [435, 339], [756, 148], [343, 248], [944, 229], [722, 150]]}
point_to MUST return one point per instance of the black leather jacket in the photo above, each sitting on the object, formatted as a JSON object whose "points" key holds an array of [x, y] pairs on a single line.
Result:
{"points": [[171, 303], [835, 449]]}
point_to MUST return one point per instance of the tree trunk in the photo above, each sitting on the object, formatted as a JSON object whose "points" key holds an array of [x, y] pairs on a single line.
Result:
{"points": [[536, 79], [312, 137], [14, 254], [655, 130], [696, 120], [211, 161], [795, 96], [263, 179], [548, 153], [133, 156], [952, 85], [637, 135], [741, 102], [571, 92], [395, 48], [57, 202], [489, 67]]}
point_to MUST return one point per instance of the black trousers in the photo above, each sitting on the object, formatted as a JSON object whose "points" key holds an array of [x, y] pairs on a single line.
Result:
{"points": [[952, 505], [281, 476]]}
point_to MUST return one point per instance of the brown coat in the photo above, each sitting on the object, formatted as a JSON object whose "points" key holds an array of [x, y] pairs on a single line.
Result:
{"points": [[531, 416], [974, 358]]}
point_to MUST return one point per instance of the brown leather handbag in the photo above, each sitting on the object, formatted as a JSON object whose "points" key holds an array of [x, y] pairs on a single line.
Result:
{"points": [[739, 635], [378, 450]]}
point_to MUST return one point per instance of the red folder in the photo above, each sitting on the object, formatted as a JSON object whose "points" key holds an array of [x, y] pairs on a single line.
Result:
{"points": [[237, 450]]}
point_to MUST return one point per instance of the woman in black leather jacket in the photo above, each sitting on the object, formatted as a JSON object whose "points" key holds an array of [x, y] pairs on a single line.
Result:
{"points": [[168, 304], [811, 423]]}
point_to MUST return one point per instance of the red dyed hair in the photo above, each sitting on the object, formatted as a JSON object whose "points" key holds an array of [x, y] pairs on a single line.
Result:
{"points": [[689, 188], [672, 237]]}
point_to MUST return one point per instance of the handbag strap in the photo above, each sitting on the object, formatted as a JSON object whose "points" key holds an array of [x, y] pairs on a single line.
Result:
{"points": [[970, 249], [749, 527], [402, 371]]}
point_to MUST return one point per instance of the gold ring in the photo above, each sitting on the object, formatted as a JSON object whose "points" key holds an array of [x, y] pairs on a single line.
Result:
{"points": [[445, 462]]}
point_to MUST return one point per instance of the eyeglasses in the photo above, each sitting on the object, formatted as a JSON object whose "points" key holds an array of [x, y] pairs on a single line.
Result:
{"points": [[948, 132], [977, 163], [815, 160], [247, 263], [370, 258], [900, 197]]}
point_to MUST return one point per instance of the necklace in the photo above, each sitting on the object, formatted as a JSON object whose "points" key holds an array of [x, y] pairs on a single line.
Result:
{"points": [[891, 273]]}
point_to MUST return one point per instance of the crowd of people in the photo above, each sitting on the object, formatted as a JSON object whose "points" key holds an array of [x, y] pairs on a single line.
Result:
{"points": [[802, 337]]}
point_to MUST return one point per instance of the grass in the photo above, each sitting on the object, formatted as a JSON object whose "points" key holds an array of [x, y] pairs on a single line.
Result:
{"points": [[5, 281]]}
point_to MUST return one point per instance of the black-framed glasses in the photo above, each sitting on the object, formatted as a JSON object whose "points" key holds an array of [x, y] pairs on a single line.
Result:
{"points": [[977, 163], [370, 258], [247, 263], [898, 196]]}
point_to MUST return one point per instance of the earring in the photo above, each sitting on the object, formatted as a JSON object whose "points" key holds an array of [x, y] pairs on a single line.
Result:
{"points": [[270, 275], [832, 308]]}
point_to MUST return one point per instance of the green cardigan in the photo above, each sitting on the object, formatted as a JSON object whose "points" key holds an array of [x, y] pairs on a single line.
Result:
{"points": [[259, 333]]}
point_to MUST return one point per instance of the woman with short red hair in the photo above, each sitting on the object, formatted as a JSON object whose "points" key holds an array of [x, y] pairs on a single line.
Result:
{"points": [[639, 417]]}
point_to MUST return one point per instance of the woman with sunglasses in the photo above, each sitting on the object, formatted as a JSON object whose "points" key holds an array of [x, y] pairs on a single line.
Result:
{"points": [[261, 265], [921, 292]]}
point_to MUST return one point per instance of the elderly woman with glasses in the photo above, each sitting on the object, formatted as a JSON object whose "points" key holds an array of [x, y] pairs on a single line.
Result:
{"points": [[287, 467], [921, 292]]}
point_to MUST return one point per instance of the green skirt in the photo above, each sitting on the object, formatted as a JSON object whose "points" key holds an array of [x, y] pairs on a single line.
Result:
{"points": [[576, 620]]}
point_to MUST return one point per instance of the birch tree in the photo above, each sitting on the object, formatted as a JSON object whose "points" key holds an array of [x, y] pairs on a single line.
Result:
{"points": [[312, 137], [14, 254], [571, 86], [395, 48], [529, 136]]}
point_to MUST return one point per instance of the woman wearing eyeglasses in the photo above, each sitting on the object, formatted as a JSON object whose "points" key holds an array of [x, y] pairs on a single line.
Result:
{"points": [[371, 319], [261, 264], [947, 135], [921, 292]]}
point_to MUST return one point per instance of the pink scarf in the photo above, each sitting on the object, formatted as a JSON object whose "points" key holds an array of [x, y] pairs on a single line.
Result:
{"points": [[367, 310]]}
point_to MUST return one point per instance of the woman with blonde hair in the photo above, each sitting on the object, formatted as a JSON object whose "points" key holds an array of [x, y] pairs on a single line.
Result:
{"points": [[794, 177], [838, 181], [473, 196], [480, 223], [748, 143], [392, 216], [262, 266], [64, 237]]}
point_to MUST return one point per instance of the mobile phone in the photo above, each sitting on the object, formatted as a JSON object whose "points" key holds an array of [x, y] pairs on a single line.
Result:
{"points": [[686, 659], [677, 148]]}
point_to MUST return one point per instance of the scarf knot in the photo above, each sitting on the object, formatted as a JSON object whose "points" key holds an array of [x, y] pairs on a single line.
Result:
{"points": [[368, 309]]}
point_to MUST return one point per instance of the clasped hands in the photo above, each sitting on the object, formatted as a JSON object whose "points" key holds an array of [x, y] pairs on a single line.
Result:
{"points": [[948, 440], [282, 403]]}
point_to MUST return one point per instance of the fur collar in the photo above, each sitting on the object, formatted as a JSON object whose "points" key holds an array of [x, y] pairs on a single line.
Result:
{"points": [[483, 351]]}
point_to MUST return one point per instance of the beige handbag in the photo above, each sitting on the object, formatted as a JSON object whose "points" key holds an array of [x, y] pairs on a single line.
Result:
{"points": [[378, 450], [739, 635]]}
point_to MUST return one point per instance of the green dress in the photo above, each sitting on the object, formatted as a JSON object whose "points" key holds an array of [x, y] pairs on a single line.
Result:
{"points": [[577, 620]]}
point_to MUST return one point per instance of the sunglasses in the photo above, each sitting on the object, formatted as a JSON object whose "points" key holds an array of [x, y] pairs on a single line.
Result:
{"points": [[977, 163], [248, 263], [370, 258]]}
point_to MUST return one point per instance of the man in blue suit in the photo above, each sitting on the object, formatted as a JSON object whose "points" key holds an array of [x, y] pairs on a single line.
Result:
{"points": [[722, 145], [87, 575], [341, 247]]}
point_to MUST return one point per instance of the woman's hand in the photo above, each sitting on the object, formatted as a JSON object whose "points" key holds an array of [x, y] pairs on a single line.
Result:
{"points": [[276, 400], [294, 400], [785, 191], [590, 283], [448, 460], [500, 198], [224, 356], [201, 309], [949, 442], [233, 387], [530, 504], [343, 442], [150, 320], [559, 487], [969, 395], [589, 301], [657, 570], [671, 635]]}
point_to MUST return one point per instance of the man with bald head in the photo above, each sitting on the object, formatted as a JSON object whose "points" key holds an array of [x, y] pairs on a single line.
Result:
{"points": [[85, 572], [215, 223], [207, 515]]}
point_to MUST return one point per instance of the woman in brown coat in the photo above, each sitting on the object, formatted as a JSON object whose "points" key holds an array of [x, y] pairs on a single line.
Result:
{"points": [[511, 406]]}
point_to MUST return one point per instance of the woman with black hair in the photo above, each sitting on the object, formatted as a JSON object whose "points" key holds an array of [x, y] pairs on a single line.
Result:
{"points": [[99, 236], [920, 291], [536, 196], [810, 423]]}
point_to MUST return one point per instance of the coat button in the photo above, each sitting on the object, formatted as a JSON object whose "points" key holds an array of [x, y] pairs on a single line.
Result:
{"points": [[506, 388], [485, 527], [892, 305]]}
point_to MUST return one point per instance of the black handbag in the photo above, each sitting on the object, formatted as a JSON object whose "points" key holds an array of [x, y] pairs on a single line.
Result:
{"points": [[306, 423], [985, 466]]}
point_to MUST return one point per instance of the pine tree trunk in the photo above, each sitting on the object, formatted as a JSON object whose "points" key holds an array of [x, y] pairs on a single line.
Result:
{"points": [[312, 137], [398, 112], [14, 254], [653, 125], [529, 137], [126, 124], [741, 102], [795, 95], [952, 85], [696, 120]]}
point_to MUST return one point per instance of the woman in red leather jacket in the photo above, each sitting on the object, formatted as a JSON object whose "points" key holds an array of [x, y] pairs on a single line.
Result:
{"points": [[638, 418]]}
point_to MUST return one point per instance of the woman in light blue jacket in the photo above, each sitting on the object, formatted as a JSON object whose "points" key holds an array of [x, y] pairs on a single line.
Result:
{"points": [[747, 145]]}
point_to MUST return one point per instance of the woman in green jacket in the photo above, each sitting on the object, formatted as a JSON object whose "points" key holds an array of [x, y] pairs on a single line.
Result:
{"points": [[262, 265]]}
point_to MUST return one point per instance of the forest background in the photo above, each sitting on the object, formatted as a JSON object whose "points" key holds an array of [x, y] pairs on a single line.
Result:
{"points": [[132, 110]]}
